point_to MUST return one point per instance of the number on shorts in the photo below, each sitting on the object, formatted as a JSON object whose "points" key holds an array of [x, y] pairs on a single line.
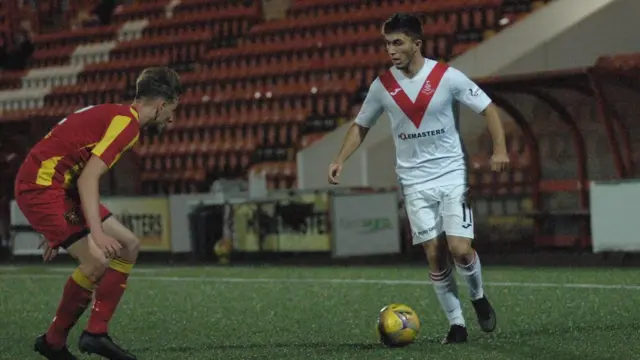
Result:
{"points": [[467, 213]]}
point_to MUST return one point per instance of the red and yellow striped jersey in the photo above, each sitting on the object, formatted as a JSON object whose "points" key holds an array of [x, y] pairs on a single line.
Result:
{"points": [[106, 131]]}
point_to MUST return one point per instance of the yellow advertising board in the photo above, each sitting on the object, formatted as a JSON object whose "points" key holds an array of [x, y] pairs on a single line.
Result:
{"points": [[297, 224], [148, 218]]}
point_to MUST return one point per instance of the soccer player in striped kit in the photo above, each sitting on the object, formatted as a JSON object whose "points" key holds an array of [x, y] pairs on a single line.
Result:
{"points": [[57, 190]]}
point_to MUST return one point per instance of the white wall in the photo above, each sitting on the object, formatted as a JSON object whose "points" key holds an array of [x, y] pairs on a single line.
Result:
{"points": [[314, 160]]}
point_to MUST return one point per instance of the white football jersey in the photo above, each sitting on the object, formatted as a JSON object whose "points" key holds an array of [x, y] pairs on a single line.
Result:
{"points": [[428, 147]]}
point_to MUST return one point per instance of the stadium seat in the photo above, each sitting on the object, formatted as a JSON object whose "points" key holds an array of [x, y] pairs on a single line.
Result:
{"points": [[255, 91], [149, 11], [11, 80], [56, 40]]}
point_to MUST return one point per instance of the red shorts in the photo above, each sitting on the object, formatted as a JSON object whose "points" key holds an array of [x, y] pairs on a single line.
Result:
{"points": [[56, 214]]}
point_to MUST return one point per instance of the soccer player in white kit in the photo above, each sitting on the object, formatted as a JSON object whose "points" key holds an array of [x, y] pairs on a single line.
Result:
{"points": [[418, 95]]}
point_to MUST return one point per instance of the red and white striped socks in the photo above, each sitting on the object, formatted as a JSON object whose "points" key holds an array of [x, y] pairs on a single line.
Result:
{"points": [[472, 273], [446, 288]]}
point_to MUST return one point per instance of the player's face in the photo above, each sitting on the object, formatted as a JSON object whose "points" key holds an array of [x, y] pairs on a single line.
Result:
{"points": [[401, 48], [165, 113]]}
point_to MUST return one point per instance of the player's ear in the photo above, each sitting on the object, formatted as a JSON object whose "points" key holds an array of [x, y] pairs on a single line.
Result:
{"points": [[161, 104], [418, 43]]}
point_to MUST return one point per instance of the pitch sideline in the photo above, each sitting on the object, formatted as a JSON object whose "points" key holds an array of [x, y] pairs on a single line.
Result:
{"points": [[333, 281]]}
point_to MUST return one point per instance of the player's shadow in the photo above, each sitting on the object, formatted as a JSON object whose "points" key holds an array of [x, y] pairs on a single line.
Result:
{"points": [[210, 347]]}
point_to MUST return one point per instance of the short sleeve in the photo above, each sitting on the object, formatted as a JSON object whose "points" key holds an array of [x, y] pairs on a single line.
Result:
{"points": [[371, 108], [467, 92], [120, 136]]}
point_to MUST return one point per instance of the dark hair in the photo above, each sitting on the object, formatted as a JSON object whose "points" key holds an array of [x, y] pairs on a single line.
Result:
{"points": [[405, 23], [158, 82]]}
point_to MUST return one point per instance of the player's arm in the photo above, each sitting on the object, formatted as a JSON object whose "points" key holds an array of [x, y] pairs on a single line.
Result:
{"points": [[89, 190], [470, 94], [352, 140], [367, 117], [494, 124], [121, 135]]}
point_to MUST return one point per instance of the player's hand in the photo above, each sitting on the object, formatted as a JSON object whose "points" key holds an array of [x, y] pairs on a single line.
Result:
{"points": [[110, 246], [334, 172], [48, 253], [499, 161]]}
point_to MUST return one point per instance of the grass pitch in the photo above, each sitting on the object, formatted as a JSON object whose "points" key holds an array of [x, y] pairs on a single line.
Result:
{"points": [[194, 313]]}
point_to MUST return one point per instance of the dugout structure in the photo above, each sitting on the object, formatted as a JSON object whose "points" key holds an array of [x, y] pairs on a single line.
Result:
{"points": [[568, 128]]}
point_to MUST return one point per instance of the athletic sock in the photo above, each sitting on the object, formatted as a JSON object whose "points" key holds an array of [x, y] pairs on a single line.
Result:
{"points": [[108, 295], [472, 274], [446, 288], [75, 299]]}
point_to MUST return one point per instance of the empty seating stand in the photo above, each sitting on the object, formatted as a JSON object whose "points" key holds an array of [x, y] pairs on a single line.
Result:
{"points": [[256, 92]]}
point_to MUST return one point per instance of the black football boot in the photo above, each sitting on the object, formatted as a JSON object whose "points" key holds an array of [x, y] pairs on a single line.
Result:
{"points": [[103, 345], [457, 335], [486, 314], [43, 348]]}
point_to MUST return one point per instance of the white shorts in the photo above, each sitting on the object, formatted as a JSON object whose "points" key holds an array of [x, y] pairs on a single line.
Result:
{"points": [[437, 210]]}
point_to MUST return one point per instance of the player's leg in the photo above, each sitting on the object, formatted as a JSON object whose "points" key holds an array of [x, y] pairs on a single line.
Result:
{"points": [[458, 224], [446, 288], [114, 281], [76, 296], [423, 212], [95, 340], [50, 214]]}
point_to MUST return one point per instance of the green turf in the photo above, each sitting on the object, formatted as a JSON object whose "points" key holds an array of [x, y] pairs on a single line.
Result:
{"points": [[329, 313]]}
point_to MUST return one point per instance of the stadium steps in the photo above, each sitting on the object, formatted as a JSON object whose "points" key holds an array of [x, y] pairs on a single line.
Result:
{"points": [[83, 58], [281, 94]]}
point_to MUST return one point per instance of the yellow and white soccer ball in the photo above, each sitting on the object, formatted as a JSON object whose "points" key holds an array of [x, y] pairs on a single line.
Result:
{"points": [[398, 325], [223, 248]]}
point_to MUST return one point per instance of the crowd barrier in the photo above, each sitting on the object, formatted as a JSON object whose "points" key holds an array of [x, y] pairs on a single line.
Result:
{"points": [[149, 218], [340, 224]]}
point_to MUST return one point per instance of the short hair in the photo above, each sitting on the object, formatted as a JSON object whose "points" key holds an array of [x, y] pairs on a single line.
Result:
{"points": [[405, 23], [158, 82]]}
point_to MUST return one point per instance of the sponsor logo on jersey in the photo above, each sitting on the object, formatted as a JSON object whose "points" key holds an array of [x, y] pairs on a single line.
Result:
{"points": [[420, 135]]}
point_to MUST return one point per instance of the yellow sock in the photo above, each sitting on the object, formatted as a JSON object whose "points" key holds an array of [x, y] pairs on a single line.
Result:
{"points": [[121, 265], [82, 280]]}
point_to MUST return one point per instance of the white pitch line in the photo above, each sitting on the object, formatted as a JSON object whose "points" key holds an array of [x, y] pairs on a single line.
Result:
{"points": [[67, 270], [337, 281]]}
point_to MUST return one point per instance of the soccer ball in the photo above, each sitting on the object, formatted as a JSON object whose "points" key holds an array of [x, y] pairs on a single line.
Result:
{"points": [[223, 248], [398, 325]]}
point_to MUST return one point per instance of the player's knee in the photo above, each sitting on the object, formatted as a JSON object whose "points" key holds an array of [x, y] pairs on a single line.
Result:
{"points": [[129, 242], [94, 267], [131, 248], [431, 251], [459, 247], [436, 252], [133, 244]]}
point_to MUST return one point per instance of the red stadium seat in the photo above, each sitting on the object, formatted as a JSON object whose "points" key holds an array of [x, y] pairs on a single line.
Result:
{"points": [[147, 11], [259, 93]]}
